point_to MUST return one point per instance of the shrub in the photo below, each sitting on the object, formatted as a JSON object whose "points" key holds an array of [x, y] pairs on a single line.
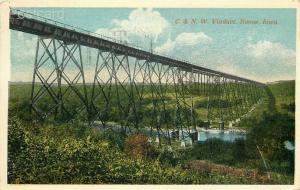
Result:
{"points": [[168, 157], [289, 107], [114, 138], [137, 146], [239, 150], [46, 159], [271, 133]]}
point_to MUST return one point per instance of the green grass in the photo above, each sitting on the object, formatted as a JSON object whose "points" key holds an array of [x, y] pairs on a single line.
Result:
{"points": [[150, 107], [284, 93]]}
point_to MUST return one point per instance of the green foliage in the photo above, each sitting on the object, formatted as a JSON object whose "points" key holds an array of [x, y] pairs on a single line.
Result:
{"points": [[41, 157], [75, 153], [289, 107], [138, 147], [222, 152], [283, 89], [271, 125], [16, 144], [113, 138], [271, 99], [169, 157], [216, 103], [270, 134], [284, 95], [239, 150], [19, 101], [46, 159]]}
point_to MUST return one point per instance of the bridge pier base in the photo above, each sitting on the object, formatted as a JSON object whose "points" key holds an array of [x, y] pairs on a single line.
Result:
{"points": [[221, 125], [175, 135], [194, 137], [206, 124]]}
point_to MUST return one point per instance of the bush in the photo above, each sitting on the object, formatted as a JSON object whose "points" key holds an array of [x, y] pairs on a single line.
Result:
{"points": [[44, 159], [214, 149], [37, 158], [114, 138], [271, 133], [289, 107], [137, 146], [168, 157], [239, 150]]}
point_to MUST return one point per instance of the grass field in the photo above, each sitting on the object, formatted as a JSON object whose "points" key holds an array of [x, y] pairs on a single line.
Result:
{"points": [[145, 104]]}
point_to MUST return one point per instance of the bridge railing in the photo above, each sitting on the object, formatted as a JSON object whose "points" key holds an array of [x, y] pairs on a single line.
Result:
{"points": [[21, 14], [68, 26]]}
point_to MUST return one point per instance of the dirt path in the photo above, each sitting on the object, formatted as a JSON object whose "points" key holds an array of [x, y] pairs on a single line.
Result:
{"points": [[203, 166]]}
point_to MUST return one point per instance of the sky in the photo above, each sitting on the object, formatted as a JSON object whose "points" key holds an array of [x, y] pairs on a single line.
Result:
{"points": [[258, 51]]}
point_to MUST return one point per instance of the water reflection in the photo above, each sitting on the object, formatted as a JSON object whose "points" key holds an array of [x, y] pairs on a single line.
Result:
{"points": [[229, 136]]}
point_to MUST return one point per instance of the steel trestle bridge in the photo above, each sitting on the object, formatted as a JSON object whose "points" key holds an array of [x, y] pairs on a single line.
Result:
{"points": [[131, 87]]}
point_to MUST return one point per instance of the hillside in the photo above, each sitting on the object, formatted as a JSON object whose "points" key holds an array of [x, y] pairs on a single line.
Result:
{"points": [[75, 153]]}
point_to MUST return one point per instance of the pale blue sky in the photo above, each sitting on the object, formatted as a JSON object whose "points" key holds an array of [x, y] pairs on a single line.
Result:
{"points": [[257, 51]]}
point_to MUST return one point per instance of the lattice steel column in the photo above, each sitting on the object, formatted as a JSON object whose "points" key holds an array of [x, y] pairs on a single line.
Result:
{"points": [[54, 87], [102, 88]]}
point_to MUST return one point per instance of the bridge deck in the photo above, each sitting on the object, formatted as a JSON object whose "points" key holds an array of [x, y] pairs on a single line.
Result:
{"points": [[44, 28]]}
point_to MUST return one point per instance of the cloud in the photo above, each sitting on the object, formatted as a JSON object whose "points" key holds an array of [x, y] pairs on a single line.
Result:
{"points": [[249, 72], [140, 23], [262, 61], [167, 47], [270, 61], [271, 52], [184, 40], [190, 39], [227, 68]]}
